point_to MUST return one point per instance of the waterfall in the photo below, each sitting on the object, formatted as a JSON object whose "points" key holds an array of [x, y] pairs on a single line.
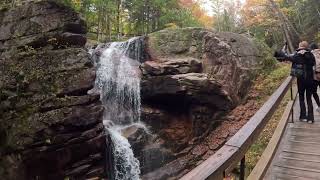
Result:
{"points": [[118, 82], [126, 166]]}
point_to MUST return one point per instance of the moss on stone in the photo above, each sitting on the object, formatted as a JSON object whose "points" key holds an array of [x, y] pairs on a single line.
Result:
{"points": [[178, 42]]}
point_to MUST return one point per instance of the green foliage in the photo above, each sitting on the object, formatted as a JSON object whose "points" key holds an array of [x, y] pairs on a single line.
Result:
{"points": [[305, 15], [171, 26], [119, 19], [301, 18], [268, 62], [5, 4], [317, 38], [226, 15], [271, 80]]}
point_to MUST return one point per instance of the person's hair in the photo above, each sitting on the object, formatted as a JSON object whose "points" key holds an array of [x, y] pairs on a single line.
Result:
{"points": [[303, 44], [314, 46]]}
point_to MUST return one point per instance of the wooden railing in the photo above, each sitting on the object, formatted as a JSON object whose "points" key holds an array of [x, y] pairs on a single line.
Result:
{"points": [[234, 150]]}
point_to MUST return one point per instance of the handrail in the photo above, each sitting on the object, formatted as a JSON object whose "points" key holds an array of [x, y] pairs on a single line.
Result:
{"points": [[235, 149], [264, 162], [266, 158]]}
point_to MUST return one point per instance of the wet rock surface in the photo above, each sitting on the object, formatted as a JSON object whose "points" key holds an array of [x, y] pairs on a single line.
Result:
{"points": [[50, 127]]}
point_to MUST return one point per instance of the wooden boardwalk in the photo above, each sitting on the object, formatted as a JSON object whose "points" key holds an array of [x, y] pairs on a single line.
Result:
{"points": [[292, 153], [298, 155]]}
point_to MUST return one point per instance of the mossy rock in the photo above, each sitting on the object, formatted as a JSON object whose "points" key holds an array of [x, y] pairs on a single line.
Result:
{"points": [[177, 42]]}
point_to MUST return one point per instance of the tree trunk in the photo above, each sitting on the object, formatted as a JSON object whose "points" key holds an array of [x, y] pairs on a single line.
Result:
{"points": [[118, 18], [148, 16], [109, 27], [98, 25], [290, 32], [13, 3]]}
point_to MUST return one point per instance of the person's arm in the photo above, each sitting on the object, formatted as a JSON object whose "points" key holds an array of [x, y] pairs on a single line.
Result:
{"points": [[282, 56], [290, 57]]}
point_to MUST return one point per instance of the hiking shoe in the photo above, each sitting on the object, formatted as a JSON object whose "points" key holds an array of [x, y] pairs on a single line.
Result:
{"points": [[318, 109], [310, 122], [303, 120]]}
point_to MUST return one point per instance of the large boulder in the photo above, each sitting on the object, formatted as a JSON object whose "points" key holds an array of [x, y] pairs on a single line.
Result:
{"points": [[39, 24], [50, 127], [228, 60]]}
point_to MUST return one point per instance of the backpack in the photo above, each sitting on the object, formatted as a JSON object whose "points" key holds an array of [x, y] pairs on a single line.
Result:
{"points": [[316, 54], [297, 70]]}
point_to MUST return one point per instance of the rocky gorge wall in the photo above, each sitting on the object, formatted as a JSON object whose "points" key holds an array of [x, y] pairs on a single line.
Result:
{"points": [[50, 127], [193, 78]]}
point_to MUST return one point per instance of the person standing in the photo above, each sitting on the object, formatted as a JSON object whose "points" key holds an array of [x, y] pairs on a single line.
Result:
{"points": [[303, 63], [316, 53]]}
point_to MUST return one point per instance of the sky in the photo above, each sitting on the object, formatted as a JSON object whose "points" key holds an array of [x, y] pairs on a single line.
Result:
{"points": [[206, 5]]}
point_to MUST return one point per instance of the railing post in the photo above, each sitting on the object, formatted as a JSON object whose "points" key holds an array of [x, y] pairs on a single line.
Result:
{"points": [[242, 168], [292, 110]]}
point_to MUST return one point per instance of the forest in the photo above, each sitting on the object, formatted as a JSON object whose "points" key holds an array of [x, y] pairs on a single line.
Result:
{"points": [[120, 19]]}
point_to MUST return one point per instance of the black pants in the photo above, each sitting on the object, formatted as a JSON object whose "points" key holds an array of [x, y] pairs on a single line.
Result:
{"points": [[314, 92], [305, 87]]}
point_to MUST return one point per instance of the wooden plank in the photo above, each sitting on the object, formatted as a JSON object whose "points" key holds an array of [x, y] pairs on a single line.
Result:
{"points": [[263, 164], [316, 124], [299, 157], [213, 167], [285, 176], [304, 157], [305, 131], [307, 170], [307, 128], [306, 148], [304, 139], [296, 172], [305, 142], [298, 163], [301, 152], [305, 134]]}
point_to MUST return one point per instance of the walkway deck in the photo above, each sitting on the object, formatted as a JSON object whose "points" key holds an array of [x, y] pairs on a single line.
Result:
{"points": [[298, 155]]}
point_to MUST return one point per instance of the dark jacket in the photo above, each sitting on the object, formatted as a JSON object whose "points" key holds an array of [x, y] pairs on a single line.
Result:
{"points": [[305, 57]]}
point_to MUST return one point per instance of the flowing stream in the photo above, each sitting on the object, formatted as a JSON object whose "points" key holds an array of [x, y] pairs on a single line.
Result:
{"points": [[118, 82]]}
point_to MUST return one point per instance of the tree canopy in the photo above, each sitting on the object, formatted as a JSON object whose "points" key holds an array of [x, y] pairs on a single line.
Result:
{"points": [[272, 21], [276, 20], [114, 19]]}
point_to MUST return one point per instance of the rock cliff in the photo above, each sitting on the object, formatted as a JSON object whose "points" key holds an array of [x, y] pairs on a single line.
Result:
{"points": [[191, 80], [50, 127]]}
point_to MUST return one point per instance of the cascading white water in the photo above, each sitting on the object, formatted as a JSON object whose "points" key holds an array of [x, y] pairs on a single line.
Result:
{"points": [[126, 166], [118, 82]]}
